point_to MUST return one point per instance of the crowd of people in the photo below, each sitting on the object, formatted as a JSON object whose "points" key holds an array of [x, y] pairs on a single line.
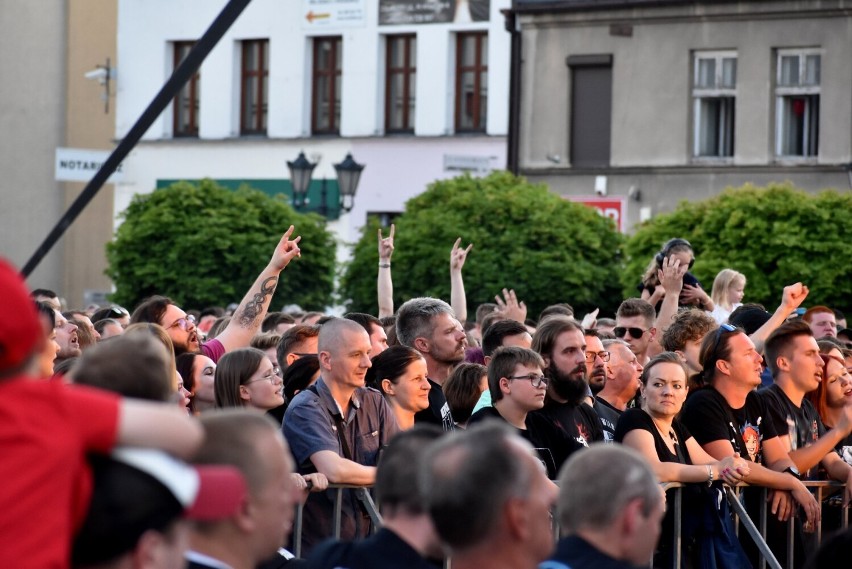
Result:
{"points": [[159, 437]]}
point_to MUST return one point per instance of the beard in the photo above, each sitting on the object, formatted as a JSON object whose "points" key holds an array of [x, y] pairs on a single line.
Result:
{"points": [[186, 347], [570, 386], [597, 379]]}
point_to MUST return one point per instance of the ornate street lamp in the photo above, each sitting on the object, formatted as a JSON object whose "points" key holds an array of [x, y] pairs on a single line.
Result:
{"points": [[301, 170], [348, 176]]}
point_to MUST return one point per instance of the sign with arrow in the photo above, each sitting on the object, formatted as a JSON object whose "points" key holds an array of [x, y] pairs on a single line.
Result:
{"points": [[328, 14]]}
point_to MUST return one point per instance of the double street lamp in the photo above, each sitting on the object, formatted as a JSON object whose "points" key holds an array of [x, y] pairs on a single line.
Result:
{"points": [[348, 176]]}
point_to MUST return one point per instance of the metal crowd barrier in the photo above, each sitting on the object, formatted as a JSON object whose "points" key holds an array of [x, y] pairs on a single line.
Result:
{"points": [[362, 493], [822, 489]]}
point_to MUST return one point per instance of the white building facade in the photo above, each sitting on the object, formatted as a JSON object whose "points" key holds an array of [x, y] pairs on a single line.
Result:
{"points": [[415, 91]]}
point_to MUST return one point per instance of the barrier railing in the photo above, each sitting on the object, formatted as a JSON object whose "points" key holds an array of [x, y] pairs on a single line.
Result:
{"points": [[362, 494], [822, 489]]}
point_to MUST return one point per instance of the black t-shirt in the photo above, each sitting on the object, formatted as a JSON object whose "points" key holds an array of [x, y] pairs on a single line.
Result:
{"points": [[579, 424], [438, 411], [609, 417], [802, 423], [844, 449], [633, 419], [550, 443], [709, 418], [693, 494]]}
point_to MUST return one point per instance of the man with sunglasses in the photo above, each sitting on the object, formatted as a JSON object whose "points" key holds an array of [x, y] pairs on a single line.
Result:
{"points": [[634, 323], [518, 387], [728, 417], [247, 318]]}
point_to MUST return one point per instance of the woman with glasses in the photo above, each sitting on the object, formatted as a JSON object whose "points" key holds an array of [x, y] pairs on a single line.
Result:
{"points": [[673, 453], [246, 378], [400, 374]]}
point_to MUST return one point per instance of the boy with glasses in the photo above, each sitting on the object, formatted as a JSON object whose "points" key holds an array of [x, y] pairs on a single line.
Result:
{"points": [[518, 386]]}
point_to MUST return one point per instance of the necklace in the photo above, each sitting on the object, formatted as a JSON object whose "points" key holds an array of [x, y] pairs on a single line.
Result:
{"points": [[671, 433]]}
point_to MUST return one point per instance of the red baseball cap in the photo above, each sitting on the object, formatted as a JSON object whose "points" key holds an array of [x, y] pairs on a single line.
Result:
{"points": [[20, 330]]}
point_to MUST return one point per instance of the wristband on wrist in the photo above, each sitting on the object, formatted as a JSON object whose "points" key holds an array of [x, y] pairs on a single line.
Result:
{"points": [[384, 265], [709, 475]]}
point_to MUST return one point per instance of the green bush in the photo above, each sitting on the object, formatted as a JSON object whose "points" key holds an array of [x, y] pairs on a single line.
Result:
{"points": [[545, 247], [204, 245], [776, 236]]}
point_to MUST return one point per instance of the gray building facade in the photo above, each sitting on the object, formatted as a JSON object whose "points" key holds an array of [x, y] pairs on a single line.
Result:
{"points": [[663, 101]]}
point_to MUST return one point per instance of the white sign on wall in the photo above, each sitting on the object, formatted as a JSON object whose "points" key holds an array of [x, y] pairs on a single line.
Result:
{"points": [[318, 14], [81, 164]]}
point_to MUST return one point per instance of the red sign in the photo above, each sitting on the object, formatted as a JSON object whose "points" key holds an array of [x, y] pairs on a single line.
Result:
{"points": [[613, 208]]}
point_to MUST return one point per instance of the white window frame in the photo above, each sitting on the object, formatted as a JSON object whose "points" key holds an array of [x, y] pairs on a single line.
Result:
{"points": [[716, 92], [782, 91]]}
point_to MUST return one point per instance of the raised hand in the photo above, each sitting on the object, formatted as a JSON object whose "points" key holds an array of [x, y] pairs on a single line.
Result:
{"points": [[458, 255], [671, 275], [386, 244], [286, 250], [509, 306], [793, 296]]}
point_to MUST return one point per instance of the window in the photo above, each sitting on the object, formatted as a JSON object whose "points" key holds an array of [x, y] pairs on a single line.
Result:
{"points": [[400, 83], [471, 81], [185, 121], [254, 97], [325, 111], [714, 87], [591, 109], [797, 89]]}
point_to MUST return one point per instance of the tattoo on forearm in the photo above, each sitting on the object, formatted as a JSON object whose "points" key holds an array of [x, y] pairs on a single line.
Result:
{"points": [[254, 307]]}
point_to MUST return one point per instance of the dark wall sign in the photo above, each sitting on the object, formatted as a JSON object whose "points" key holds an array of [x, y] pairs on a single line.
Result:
{"points": [[397, 12]]}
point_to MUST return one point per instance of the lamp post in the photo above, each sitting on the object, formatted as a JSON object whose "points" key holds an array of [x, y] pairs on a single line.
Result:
{"points": [[348, 175]]}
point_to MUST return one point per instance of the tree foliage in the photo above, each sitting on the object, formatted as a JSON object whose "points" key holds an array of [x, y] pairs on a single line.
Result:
{"points": [[204, 245], [545, 247], [776, 236]]}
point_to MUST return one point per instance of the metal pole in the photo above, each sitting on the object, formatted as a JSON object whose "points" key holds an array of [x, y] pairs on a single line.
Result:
{"points": [[323, 208], [185, 70], [752, 530]]}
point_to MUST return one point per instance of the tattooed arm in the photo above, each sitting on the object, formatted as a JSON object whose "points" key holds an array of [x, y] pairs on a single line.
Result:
{"points": [[252, 310]]}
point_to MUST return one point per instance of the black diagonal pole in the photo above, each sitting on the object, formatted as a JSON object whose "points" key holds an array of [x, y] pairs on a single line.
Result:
{"points": [[181, 75]]}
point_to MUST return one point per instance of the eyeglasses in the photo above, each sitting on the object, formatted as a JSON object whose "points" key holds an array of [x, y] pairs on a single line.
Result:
{"points": [[183, 323], [619, 332], [270, 377], [535, 379], [590, 356]]}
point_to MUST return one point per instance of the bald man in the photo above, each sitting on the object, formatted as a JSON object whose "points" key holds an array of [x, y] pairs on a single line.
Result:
{"points": [[337, 427]]}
